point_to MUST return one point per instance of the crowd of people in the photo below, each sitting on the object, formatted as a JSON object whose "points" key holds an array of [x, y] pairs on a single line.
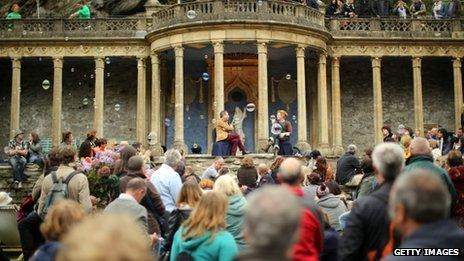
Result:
{"points": [[386, 8], [296, 208]]}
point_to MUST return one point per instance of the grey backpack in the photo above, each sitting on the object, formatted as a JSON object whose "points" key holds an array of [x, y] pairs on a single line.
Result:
{"points": [[58, 191]]}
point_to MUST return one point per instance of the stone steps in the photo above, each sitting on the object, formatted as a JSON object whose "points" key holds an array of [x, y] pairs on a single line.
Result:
{"points": [[7, 184]]}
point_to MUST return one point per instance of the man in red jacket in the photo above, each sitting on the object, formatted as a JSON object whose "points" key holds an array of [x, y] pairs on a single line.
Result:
{"points": [[310, 242]]}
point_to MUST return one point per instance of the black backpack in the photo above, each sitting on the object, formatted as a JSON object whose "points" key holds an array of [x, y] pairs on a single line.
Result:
{"points": [[59, 190]]}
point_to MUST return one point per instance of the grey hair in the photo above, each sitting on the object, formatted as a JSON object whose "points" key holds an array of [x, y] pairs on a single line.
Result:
{"points": [[422, 194], [388, 159], [290, 171], [351, 149], [272, 219], [172, 158]]}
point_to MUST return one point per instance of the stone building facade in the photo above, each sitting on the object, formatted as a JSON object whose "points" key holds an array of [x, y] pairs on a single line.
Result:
{"points": [[340, 79]]}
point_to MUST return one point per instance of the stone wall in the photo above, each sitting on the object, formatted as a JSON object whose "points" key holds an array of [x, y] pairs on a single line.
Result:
{"points": [[397, 95]]}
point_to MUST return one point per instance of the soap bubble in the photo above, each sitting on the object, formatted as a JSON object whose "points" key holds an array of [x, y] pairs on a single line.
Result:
{"points": [[46, 84], [260, 2], [117, 107], [91, 76], [107, 74], [151, 138], [205, 76], [250, 107], [85, 101], [191, 14], [24, 32], [72, 69], [206, 56], [107, 60], [167, 122], [66, 38], [272, 117], [288, 76], [294, 117], [276, 128]]}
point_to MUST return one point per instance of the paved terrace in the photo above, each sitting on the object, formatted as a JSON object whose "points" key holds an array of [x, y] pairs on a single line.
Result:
{"points": [[231, 12]]}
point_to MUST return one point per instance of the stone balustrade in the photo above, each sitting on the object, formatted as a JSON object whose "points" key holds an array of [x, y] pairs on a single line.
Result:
{"points": [[249, 11], [73, 28]]}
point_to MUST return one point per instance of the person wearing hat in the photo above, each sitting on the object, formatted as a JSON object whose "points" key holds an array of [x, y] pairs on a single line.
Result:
{"points": [[330, 204], [17, 151], [5, 199]]}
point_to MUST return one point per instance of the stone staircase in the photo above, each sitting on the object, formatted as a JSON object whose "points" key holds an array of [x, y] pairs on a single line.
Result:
{"points": [[6, 181]]}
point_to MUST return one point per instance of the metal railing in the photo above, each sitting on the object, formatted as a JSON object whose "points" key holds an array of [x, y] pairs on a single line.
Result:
{"points": [[238, 11]]}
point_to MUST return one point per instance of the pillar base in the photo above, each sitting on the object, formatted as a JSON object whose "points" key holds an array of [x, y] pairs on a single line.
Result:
{"points": [[262, 144], [303, 146], [180, 146], [325, 150], [338, 150], [156, 150]]}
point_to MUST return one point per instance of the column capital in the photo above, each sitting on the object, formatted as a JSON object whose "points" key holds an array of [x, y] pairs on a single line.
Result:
{"points": [[218, 46], [416, 62], [57, 61], [300, 51], [336, 61], [155, 58], [262, 46], [322, 58], [16, 61], [141, 61], [99, 62], [457, 62], [376, 61], [178, 50]]}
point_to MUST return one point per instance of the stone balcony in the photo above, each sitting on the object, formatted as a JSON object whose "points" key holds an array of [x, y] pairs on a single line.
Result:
{"points": [[245, 12]]}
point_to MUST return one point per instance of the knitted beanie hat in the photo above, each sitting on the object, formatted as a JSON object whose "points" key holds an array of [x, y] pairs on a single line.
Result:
{"points": [[322, 190]]}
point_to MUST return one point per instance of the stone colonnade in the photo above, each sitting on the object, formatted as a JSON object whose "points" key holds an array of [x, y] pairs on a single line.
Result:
{"points": [[262, 108]]}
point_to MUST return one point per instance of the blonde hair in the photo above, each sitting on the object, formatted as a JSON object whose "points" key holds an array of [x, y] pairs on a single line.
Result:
{"points": [[406, 141], [247, 162], [206, 184], [106, 237], [227, 185], [62, 216], [284, 113], [190, 193], [209, 215]]}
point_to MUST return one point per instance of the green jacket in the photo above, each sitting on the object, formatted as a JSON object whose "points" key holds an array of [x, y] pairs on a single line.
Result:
{"points": [[202, 248], [84, 12], [426, 162], [13, 15], [235, 216]]}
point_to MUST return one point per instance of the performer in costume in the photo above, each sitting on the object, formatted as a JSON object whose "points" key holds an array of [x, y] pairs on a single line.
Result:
{"points": [[224, 131]]}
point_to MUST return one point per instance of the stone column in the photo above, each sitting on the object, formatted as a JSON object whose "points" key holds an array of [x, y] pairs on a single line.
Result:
{"points": [[157, 150], [377, 85], [302, 143], [141, 100], [262, 113], [336, 108], [457, 92], [418, 101], [99, 107], [15, 95], [218, 78], [179, 142], [57, 100], [322, 101]]}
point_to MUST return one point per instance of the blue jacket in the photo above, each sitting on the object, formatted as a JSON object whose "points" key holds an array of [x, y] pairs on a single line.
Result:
{"points": [[222, 247], [235, 216], [46, 252]]}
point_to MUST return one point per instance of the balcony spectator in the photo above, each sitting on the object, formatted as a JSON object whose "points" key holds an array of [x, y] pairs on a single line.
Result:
{"points": [[362, 8], [14, 14], [417, 8], [334, 9], [349, 9], [382, 8], [401, 10], [453, 10], [438, 9], [83, 11]]}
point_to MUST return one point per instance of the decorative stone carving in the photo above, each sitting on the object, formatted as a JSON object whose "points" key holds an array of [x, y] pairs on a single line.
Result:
{"points": [[237, 122]]}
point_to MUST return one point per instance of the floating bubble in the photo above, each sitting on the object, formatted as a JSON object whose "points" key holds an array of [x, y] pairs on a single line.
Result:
{"points": [[191, 14], [40, 59], [294, 117], [288, 76], [24, 32], [188, 118], [85, 75], [72, 69], [202, 117], [66, 38], [167, 122], [260, 2], [206, 56], [276, 128], [272, 117], [250, 107], [91, 76], [46, 84], [107, 74], [80, 83], [205, 76], [107, 60], [85, 101], [117, 107]]}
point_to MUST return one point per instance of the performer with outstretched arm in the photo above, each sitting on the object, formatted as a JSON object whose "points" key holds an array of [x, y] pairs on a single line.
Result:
{"points": [[224, 131]]}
